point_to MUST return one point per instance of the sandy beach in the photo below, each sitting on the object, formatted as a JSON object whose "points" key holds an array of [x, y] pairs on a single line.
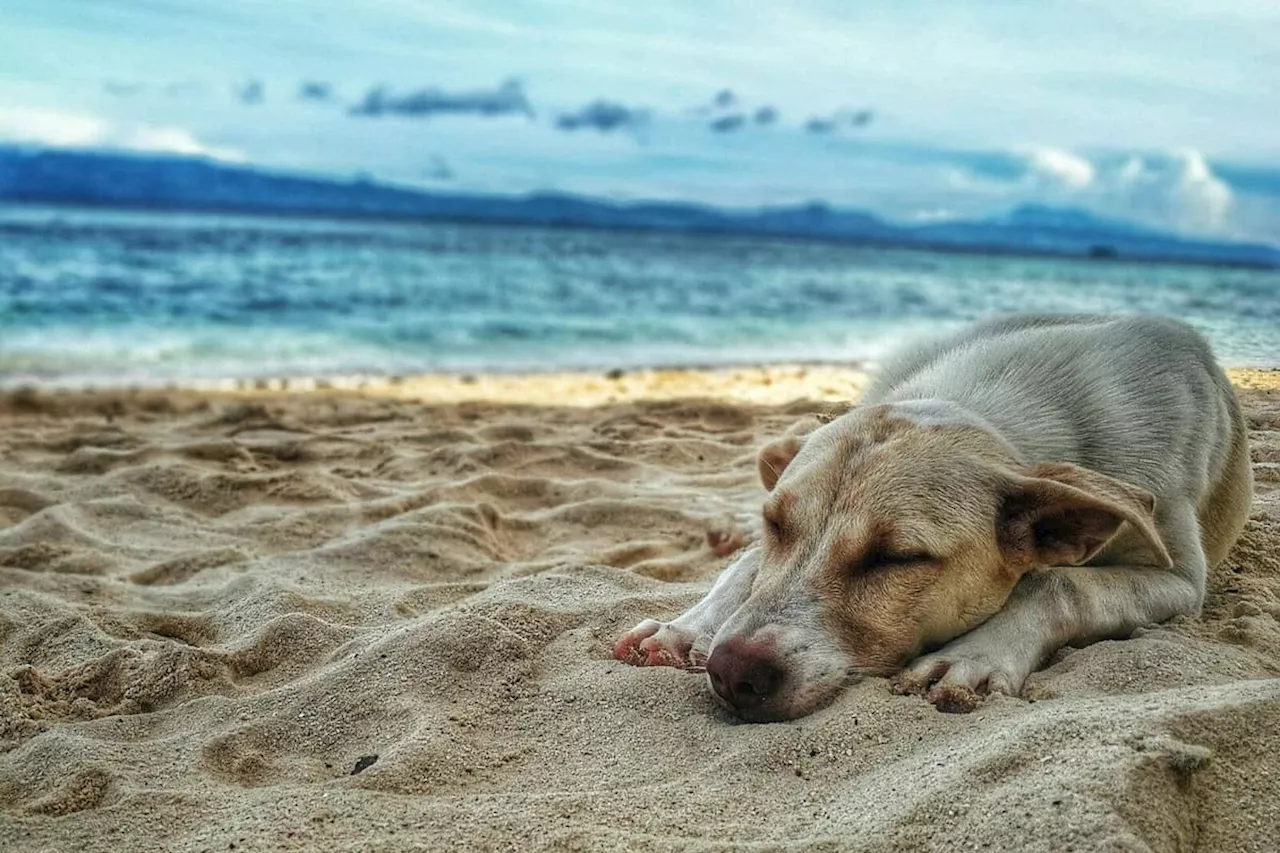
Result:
{"points": [[381, 619]]}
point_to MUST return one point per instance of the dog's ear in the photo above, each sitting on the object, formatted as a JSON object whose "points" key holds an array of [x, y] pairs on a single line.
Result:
{"points": [[777, 455], [1063, 514]]}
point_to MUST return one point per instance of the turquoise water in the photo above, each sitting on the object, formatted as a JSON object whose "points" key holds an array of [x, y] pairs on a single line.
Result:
{"points": [[93, 298]]}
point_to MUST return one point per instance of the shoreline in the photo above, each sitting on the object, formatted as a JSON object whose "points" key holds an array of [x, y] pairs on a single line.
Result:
{"points": [[763, 384], [748, 383]]}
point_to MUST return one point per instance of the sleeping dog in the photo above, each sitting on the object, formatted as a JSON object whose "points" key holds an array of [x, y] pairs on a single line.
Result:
{"points": [[1030, 483]]}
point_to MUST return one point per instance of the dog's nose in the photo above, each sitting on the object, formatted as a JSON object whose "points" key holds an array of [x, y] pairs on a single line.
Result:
{"points": [[744, 674]]}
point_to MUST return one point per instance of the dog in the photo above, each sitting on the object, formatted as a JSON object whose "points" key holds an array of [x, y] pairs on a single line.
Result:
{"points": [[1029, 483]]}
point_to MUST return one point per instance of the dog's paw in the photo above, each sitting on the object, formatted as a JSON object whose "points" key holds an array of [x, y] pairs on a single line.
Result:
{"points": [[654, 643], [725, 542], [955, 682], [734, 534]]}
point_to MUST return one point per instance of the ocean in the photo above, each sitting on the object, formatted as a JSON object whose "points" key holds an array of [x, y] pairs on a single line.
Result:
{"points": [[106, 298]]}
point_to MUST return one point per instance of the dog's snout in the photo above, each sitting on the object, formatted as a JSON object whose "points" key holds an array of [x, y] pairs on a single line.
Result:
{"points": [[746, 675]]}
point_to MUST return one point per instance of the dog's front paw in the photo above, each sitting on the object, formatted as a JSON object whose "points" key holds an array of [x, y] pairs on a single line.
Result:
{"points": [[735, 535], [955, 681], [654, 643]]}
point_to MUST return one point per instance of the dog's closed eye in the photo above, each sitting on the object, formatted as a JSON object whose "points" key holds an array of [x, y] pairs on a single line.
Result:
{"points": [[773, 526], [885, 560]]}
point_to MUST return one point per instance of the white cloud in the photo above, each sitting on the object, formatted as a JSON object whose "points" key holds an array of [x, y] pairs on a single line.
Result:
{"points": [[1173, 190], [174, 140], [1178, 189], [934, 214], [50, 128], [68, 130], [1059, 167]]}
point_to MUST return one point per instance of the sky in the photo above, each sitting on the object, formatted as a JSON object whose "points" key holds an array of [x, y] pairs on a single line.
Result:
{"points": [[1160, 113]]}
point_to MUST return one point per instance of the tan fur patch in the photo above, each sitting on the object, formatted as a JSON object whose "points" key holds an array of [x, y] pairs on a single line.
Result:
{"points": [[875, 489]]}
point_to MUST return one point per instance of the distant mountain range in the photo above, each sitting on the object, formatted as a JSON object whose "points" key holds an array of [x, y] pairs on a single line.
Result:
{"points": [[169, 182]]}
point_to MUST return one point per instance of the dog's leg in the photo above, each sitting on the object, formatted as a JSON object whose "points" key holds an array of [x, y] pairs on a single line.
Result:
{"points": [[685, 641], [1056, 607]]}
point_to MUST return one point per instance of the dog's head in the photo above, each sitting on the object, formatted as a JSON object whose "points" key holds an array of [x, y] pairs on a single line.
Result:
{"points": [[893, 529]]}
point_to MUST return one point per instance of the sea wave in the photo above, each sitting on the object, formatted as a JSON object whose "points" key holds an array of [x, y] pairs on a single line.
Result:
{"points": [[100, 298]]}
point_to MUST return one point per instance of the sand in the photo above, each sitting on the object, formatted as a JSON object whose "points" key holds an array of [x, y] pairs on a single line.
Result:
{"points": [[382, 620]]}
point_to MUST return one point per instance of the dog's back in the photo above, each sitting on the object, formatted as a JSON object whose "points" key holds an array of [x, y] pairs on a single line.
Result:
{"points": [[1137, 398]]}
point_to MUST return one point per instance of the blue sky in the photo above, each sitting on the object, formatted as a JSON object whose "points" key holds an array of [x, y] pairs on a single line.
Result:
{"points": [[1163, 113]]}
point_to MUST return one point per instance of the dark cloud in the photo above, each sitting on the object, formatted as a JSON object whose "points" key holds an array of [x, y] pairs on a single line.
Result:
{"points": [[251, 93], [861, 118], [507, 99], [604, 116], [724, 99], [728, 114], [823, 125], [820, 125], [315, 90], [729, 123]]}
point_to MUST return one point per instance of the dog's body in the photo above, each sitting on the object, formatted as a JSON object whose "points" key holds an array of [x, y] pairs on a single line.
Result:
{"points": [[1029, 483]]}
